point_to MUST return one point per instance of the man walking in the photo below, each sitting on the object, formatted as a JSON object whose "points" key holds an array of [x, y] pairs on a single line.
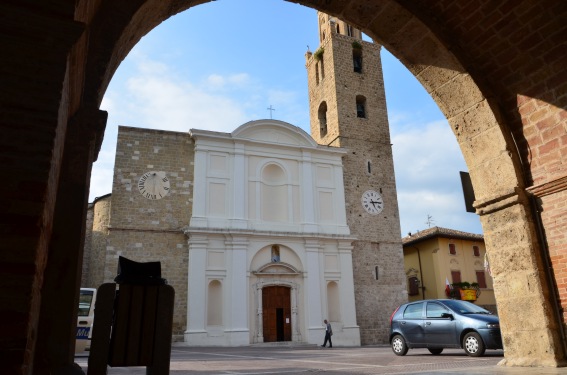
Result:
{"points": [[328, 334]]}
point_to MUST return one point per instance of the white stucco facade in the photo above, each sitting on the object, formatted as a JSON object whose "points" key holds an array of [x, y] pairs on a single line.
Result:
{"points": [[268, 210]]}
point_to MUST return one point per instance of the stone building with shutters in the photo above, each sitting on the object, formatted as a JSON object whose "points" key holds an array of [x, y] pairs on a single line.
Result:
{"points": [[437, 256]]}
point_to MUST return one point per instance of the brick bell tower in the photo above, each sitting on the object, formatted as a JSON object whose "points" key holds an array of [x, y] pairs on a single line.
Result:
{"points": [[347, 107]]}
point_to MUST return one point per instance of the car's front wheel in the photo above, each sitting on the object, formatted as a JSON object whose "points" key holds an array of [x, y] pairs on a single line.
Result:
{"points": [[435, 351], [473, 344], [399, 346]]}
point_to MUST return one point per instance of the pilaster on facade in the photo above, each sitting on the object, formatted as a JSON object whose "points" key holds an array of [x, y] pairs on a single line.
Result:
{"points": [[237, 286], [196, 290], [239, 198], [315, 271], [199, 213], [307, 194]]}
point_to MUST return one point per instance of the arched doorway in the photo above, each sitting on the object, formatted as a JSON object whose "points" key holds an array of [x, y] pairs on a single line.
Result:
{"points": [[276, 308]]}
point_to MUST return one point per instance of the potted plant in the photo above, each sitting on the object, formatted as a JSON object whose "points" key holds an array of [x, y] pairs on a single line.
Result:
{"points": [[465, 291]]}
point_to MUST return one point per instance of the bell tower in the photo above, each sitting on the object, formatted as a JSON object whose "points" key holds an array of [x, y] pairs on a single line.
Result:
{"points": [[347, 107]]}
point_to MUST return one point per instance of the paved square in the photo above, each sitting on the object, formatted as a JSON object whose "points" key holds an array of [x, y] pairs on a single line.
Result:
{"points": [[289, 360]]}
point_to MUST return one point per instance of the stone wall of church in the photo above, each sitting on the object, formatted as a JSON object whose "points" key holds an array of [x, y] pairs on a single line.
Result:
{"points": [[147, 230]]}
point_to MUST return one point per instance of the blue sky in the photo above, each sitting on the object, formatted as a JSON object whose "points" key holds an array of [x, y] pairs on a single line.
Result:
{"points": [[221, 64]]}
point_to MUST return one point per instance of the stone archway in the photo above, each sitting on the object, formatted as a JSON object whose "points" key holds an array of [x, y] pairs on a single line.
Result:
{"points": [[496, 70], [481, 128]]}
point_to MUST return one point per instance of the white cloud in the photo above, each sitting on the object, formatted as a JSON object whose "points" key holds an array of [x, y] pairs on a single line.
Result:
{"points": [[151, 95], [169, 105], [427, 161], [216, 80]]}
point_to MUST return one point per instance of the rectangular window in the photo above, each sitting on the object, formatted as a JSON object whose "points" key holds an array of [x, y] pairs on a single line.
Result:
{"points": [[481, 279], [456, 276], [360, 110], [476, 251], [435, 310], [452, 249], [413, 311], [413, 286]]}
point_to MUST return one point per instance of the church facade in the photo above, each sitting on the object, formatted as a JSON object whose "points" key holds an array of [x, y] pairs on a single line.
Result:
{"points": [[250, 227], [269, 247], [266, 231]]}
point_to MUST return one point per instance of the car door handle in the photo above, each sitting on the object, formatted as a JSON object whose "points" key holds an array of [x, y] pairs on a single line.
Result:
{"points": [[83, 322], [427, 323], [402, 322]]}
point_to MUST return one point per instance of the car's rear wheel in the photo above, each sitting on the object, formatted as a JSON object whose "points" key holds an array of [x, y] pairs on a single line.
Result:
{"points": [[473, 344], [435, 351], [399, 346]]}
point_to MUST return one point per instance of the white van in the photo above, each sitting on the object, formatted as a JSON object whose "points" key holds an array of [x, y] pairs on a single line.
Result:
{"points": [[85, 319]]}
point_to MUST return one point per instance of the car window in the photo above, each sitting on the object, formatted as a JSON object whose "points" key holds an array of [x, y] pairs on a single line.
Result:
{"points": [[413, 311], [464, 307], [435, 310], [85, 300]]}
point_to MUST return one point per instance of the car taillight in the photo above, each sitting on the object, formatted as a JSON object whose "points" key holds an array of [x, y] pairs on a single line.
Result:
{"points": [[394, 313]]}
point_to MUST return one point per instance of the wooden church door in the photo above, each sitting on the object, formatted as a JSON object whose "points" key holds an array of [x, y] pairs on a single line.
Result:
{"points": [[276, 307]]}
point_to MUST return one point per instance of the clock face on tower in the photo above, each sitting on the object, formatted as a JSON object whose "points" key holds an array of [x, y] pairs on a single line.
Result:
{"points": [[372, 202], [153, 185]]}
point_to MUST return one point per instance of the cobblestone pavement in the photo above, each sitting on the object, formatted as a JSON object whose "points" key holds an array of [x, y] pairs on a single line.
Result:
{"points": [[291, 360]]}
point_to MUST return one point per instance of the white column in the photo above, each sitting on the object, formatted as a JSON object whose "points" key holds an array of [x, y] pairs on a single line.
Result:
{"points": [[259, 314], [239, 190], [296, 332], [347, 285], [308, 194], [237, 296], [350, 335], [199, 214], [313, 298], [197, 288], [340, 207]]}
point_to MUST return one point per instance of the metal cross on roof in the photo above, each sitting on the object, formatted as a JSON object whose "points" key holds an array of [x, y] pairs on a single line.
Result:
{"points": [[271, 109]]}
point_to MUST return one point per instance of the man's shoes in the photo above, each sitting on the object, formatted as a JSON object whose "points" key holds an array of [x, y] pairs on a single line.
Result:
{"points": [[322, 346]]}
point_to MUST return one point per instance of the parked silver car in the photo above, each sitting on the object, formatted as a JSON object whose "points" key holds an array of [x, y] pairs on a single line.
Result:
{"points": [[444, 323]]}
